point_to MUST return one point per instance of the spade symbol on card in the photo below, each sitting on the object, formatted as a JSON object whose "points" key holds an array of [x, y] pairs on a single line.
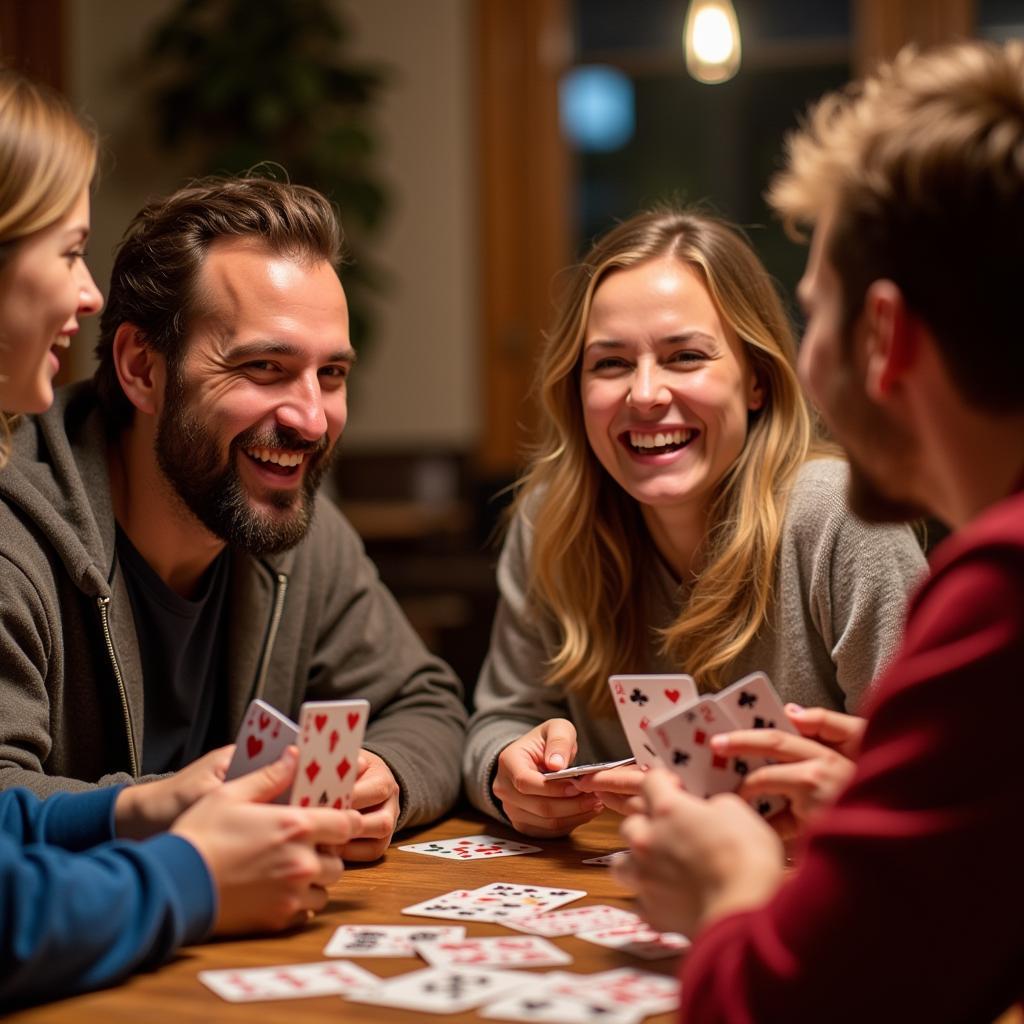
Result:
{"points": [[253, 746], [323, 801]]}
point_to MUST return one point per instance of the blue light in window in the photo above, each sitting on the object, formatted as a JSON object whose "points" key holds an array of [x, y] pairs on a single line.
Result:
{"points": [[597, 108]]}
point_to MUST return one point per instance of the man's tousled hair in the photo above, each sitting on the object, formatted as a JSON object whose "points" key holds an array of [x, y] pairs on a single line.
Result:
{"points": [[154, 281]]}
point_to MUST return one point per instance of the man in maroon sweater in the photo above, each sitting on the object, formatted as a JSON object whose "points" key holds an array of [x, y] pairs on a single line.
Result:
{"points": [[908, 900]]}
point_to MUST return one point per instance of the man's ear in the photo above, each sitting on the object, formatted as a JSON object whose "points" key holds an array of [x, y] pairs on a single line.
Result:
{"points": [[140, 369], [892, 339]]}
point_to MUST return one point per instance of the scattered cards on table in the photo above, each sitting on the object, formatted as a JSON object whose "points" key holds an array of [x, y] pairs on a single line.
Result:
{"points": [[607, 858], [393, 940], [482, 847], [441, 989], [495, 902], [290, 981], [494, 951]]}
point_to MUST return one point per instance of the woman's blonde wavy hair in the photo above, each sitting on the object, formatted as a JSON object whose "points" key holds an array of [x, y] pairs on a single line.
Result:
{"points": [[47, 156], [591, 549]]}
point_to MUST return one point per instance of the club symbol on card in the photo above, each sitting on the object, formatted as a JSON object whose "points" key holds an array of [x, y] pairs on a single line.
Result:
{"points": [[763, 723], [764, 808], [312, 770], [747, 699], [253, 746], [343, 767], [639, 697], [680, 757]]}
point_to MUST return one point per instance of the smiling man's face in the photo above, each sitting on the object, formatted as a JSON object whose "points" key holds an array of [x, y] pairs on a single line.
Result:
{"points": [[252, 413]]}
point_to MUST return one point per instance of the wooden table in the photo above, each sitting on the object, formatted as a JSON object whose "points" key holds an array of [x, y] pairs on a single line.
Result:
{"points": [[372, 894]]}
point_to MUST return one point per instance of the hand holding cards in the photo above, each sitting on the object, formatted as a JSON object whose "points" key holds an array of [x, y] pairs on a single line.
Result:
{"points": [[679, 738], [329, 737]]}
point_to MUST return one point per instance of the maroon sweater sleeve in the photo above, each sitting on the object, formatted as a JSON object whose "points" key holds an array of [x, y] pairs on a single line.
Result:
{"points": [[909, 900]]}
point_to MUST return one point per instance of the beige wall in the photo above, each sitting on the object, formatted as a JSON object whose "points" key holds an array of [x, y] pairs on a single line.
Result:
{"points": [[418, 386]]}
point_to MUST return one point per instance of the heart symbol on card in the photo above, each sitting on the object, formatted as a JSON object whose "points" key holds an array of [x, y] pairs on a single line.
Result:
{"points": [[673, 695], [343, 767], [312, 770], [253, 746], [264, 721], [333, 741], [319, 721], [353, 720]]}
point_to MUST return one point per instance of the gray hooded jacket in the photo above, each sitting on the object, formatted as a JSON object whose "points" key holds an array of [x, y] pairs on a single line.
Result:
{"points": [[312, 623]]}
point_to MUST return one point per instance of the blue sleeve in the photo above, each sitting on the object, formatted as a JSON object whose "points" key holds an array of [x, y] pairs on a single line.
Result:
{"points": [[70, 922], [72, 821]]}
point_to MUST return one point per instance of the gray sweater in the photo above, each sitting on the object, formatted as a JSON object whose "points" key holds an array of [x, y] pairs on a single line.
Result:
{"points": [[836, 619], [314, 623]]}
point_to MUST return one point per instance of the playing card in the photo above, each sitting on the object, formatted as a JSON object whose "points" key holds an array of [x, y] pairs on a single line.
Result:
{"points": [[641, 699], [264, 734], [753, 703], [493, 951], [607, 858], [625, 986], [387, 939], [547, 1007], [639, 939], [290, 981], [330, 736], [576, 770], [496, 902], [682, 741], [441, 989], [572, 920], [482, 847]]}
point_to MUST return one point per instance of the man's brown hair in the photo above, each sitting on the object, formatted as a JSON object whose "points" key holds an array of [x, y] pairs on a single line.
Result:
{"points": [[153, 283], [922, 168]]}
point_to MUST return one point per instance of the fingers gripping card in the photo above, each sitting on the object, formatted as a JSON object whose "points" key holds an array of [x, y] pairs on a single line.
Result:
{"points": [[262, 739], [330, 737]]}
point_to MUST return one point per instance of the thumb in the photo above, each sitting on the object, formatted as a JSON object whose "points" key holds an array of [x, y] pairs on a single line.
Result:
{"points": [[266, 783], [559, 743]]}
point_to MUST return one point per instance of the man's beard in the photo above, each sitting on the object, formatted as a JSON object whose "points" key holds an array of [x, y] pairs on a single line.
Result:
{"points": [[211, 489]]}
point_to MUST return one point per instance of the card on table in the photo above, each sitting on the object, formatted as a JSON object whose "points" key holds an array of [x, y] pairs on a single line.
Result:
{"points": [[262, 739], [494, 951], [682, 740], [441, 989], [547, 1007], [625, 986], [641, 699], [482, 847], [574, 771], [570, 920], [387, 939], [639, 939], [290, 981], [495, 902], [330, 737], [607, 858]]}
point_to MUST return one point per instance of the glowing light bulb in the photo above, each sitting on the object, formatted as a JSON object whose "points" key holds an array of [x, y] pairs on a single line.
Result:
{"points": [[712, 41]]}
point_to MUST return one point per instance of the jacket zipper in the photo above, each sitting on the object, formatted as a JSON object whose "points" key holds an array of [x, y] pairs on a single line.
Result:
{"points": [[104, 605], [275, 621]]}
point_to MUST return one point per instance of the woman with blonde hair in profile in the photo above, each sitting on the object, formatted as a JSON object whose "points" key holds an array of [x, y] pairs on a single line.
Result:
{"points": [[679, 515], [79, 909]]}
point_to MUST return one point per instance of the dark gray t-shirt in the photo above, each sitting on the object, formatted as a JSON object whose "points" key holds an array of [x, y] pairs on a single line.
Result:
{"points": [[182, 642]]}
